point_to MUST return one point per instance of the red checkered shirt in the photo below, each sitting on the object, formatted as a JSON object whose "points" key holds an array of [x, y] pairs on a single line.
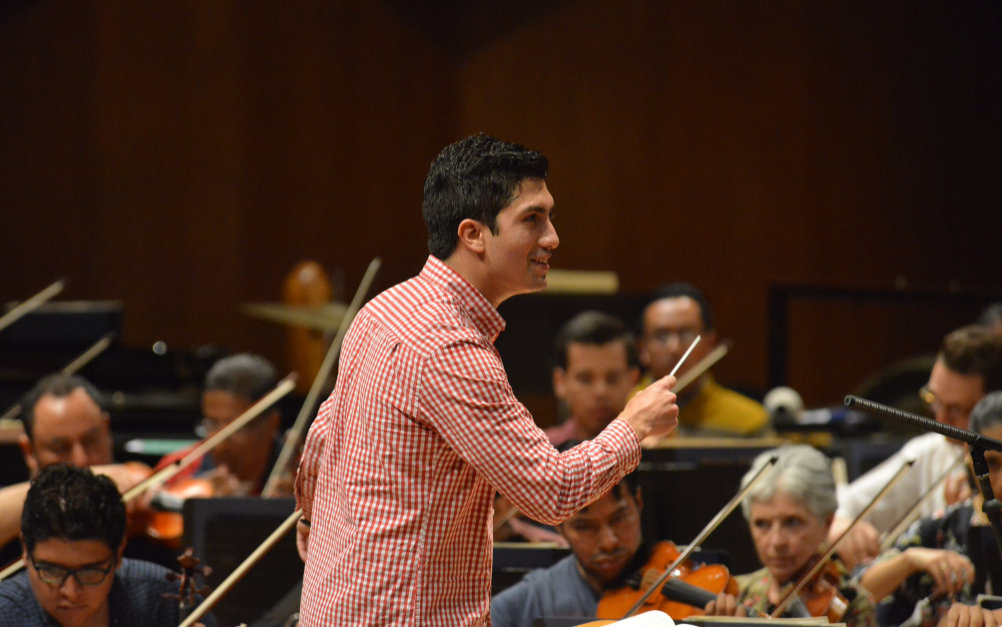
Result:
{"points": [[400, 466]]}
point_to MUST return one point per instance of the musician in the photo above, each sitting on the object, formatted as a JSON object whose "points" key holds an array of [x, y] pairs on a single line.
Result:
{"points": [[240, 464], [64, 420], [969, 365], [676, 314], [594, 372], [73, 535], [606, 544], [789, 512], [929, 562], [400, 466]]}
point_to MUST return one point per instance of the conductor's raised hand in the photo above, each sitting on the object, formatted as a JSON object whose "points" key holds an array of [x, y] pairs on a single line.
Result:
{"points": [[653, 412]]}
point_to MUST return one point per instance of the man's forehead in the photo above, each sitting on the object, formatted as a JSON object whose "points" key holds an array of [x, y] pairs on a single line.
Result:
{"points": [[73, 411], [676, 310], [611, 354], [945, 382]]}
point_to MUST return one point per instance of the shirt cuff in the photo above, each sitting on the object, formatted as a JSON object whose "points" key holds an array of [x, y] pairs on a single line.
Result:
{"points": [[624, 443]]}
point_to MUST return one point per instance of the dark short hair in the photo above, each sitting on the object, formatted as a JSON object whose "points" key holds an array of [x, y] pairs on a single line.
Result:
{"points": [[595, 329], [58, 386], [70, 503], [630, 482], [680, 290], [245, 375], [474, 178], [975, 350]]}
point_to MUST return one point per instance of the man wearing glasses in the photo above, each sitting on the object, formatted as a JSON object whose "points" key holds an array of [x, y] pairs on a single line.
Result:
{"points": [[73, 535], [968, 366], [239, 465], [677, 314]]}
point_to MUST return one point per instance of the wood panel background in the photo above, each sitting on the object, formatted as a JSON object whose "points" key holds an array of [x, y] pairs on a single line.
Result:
{"points": [[183, 156]]}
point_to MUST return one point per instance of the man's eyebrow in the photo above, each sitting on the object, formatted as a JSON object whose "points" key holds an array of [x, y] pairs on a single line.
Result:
{"points": [[537, 209]]}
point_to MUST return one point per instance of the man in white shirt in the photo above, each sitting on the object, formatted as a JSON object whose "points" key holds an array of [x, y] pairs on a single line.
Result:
{"points": [[969, 365]]}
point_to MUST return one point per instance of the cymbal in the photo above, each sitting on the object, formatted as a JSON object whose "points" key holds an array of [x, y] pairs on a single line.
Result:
{"points": [[325, 317]]}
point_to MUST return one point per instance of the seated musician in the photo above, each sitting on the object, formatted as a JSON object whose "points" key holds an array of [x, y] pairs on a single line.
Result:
{"points": [[606, 544], [64, 420], [789, 511], [676, 314], [240, 464], [928, 568], [73, 535], [594, 372], [968, 366]]}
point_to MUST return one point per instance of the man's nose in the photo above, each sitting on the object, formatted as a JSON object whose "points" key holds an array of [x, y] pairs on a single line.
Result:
{"points": [[78, 455], [550, 239], [71, 588], [607, 540]]}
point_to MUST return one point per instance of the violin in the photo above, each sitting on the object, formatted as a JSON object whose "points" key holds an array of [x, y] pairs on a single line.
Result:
{"points": [[708, 579], [821, 596]]}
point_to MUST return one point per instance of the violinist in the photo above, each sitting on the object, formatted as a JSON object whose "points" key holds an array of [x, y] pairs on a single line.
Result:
{"points": [[789, 512], [64, 420], [73, 535], [968, 366], [239, 465], [606, 544], [928, 567]]}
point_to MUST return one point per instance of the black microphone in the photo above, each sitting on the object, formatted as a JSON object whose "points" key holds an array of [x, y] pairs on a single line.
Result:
{"points": [[963, 435]]}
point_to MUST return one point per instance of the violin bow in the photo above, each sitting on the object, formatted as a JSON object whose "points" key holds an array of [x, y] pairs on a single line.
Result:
{"points": [[889, 538], [31, 304], [296, 433], [166, 473], [241, 570], [698, 540], [71, 368], [703, 365], [794, 592]]}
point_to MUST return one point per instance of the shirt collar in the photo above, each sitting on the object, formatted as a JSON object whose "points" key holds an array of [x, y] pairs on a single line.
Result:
{"points": [[484, 316]]}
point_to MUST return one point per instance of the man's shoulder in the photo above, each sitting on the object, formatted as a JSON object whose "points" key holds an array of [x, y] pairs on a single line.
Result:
{"points": [[540, 579], [17, 602], [420, 313], [728, 410]]}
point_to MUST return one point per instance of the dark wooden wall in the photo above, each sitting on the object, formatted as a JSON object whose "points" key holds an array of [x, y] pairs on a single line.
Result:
{"points": [[183, 156]]}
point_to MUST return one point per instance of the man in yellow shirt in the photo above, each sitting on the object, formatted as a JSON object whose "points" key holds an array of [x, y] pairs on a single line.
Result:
{"points": [[676, 314]]}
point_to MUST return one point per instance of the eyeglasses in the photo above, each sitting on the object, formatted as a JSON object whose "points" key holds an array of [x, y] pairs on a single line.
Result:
{"points": [[952, 412], [57, 575], [684, 337]]}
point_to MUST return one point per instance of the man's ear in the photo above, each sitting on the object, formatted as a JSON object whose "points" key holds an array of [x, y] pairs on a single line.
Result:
{"points": [[471, 236], [559, 383], [634, 376], [28, 452], [639, 498]]}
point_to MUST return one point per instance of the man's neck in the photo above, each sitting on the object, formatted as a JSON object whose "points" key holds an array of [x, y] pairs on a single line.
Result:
{"points": [[470, 268]]}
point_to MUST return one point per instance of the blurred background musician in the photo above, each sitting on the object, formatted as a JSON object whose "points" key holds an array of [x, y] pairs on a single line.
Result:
{"points": [[676, 314], [73, 535], [968, 366], [595, 370], [240, 464], [789, 513], [928, 567], [65, 421]]}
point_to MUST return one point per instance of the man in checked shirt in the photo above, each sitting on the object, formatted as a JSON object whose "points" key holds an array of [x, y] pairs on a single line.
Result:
{"points": [[401, 464]]}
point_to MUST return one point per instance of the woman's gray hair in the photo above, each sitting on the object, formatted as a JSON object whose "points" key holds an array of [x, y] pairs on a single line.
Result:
{"points": [[801, 472], [987, 413]]}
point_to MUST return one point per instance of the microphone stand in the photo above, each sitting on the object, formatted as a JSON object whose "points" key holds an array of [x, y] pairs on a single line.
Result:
{"points": [[976, 443]]}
